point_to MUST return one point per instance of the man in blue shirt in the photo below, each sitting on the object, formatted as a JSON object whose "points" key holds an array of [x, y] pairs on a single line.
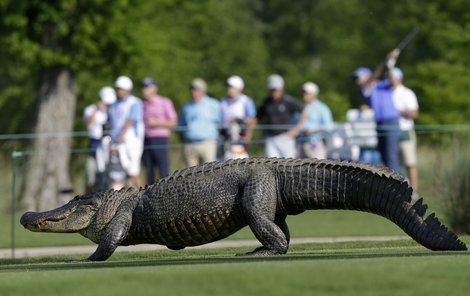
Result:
{"points": [[378, 95], [317, 122], [200, 121]]}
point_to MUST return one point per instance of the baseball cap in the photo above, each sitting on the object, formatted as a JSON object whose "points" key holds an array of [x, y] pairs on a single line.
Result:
{"points": [[310, 87], [149, 81], [107, 95], [397, 73], [123, 82], [360, 71], [275, 81], [236, 82], [198, 83]]}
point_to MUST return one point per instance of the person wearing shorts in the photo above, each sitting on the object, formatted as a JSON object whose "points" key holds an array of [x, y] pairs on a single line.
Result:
{"points": [[407, 104], [127, 129]]}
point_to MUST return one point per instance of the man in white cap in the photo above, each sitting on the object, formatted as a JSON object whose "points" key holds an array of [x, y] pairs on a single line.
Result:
{"points": [[95, 117], [317, 122], [237, 109], [127, 129], [407, 104], [278, 110]]}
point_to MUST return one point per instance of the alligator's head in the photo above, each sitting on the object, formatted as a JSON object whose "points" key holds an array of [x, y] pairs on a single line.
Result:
{"points": [[86, 214], [74, 216]]}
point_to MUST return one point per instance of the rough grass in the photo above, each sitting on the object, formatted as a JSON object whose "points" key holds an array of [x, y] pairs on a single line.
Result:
{"points": [[358, 268]]}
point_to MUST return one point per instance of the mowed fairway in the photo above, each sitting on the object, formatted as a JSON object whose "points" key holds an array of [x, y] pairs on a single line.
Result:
{"points": [[350, 268], [358, 268]]}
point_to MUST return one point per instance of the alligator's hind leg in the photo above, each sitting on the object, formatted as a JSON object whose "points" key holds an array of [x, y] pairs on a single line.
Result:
{"points": [[259, 205]]}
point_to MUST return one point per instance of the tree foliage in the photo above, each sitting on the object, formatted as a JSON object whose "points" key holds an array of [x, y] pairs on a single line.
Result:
{"points": [[91, 42], [174, 41]]}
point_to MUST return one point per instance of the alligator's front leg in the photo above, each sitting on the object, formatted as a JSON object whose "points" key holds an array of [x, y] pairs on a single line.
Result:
{"points": [[114, 234], [116, 230]]}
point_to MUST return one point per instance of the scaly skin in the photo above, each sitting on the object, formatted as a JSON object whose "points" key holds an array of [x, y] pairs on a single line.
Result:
{"points": [[206, 203]]}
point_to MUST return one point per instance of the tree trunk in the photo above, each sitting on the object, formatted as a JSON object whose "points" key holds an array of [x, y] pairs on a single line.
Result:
{"points": [[47, 182]]}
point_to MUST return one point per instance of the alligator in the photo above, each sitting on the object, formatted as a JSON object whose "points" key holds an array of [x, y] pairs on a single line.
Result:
{"points": [[209, 202]]}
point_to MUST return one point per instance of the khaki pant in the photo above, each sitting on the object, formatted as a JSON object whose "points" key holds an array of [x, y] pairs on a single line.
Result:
{"points": [[408, 150], [196, 153], [313, 149]]}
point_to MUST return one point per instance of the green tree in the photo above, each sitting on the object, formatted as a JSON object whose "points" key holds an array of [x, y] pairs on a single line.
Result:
{"points": [[45, 44], [440, 76], [58, 54]]}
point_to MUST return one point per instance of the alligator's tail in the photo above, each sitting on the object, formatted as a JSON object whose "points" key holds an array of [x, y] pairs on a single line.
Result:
{"points": [[311, 184], [429, 231]]}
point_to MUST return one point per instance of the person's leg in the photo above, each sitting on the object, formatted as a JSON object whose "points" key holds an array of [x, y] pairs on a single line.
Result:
{"points": [[286, 145], [134, 152], [381, 144], [90, 174], [147, 160], [393, 146], [316, 149], [391, 143], [270, 149], [388, 136], [208, 150], [161, 156], [190, 154], [410, 159]]}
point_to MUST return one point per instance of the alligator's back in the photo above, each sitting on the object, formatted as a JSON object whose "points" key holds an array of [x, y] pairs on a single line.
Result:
{"points": [[208, 202]]}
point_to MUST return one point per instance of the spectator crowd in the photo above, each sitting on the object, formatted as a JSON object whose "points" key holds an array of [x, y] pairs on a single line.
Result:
{"points": [[125, 130]]}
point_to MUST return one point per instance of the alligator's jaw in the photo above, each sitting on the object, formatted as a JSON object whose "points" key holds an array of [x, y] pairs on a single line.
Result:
{"points": [[36, 222], [65, 219]]}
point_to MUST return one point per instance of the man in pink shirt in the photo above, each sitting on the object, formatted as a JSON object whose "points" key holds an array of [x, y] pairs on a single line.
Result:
{"points": [[159, 117]]}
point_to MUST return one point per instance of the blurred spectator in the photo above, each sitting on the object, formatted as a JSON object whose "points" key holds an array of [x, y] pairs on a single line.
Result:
{"points": [[378, 95], [159, 117], [238, 118], [317, 123], [95, 116], [200, 120], [279, 110], [127, 129], [407, 104], [364, 137]]}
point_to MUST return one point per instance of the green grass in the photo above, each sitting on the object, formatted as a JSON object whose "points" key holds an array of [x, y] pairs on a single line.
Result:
{"points": [[355, 268], [358, 268]]}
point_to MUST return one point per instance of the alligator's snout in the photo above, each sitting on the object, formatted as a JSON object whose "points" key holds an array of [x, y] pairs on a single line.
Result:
{"points": [[27, 218]]}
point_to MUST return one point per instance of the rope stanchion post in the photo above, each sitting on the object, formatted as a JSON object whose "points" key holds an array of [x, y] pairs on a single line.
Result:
{"points": [[14, 155]]}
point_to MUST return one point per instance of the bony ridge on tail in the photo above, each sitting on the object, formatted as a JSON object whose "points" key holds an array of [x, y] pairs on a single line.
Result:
{"points": [[205, 203]]}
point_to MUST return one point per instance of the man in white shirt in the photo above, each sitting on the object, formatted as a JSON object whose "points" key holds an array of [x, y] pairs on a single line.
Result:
{"points": [[406, 103], [238, 118]]}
